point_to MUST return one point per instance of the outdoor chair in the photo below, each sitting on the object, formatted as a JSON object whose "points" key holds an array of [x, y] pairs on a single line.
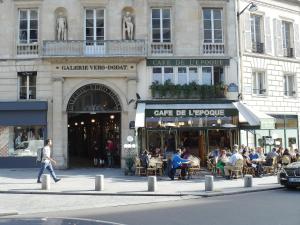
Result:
{"points": [[271, 169], [285, 160], [237, 170], [194, 168], [139, 169]]}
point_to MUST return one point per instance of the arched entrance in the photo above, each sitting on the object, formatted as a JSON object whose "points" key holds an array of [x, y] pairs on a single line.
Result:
{"points": [[94, 127]]}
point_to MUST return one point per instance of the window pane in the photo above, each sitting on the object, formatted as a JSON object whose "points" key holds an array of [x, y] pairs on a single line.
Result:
{"points": [[89, 14], [156, 35], [254, 85], [166, 13], [32, 80], [155, 23], [207, 14], [291, 122], [168, 74], [100, 23], [157, 70], [182, 75], [193, 74], [23, 15], [166, 23], [208, 35], [33, 35], [155, 13], [207, 24], [23, 93], [167, 35], [23, 36], [218, 24], [218, 34], [89, 31], [100, 32], [207, 75], [100, 13], [33, 24], [89, 23], [33, 14], [23, 24], [32, 93], [218, 75], [217, 14], [23, 80], [157, 77]]}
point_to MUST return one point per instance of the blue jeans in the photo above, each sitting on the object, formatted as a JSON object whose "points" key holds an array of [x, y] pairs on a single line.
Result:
{"points": [[48, 166]]}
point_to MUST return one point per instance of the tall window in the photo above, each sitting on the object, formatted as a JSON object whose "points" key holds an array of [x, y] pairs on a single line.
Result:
{"points": [[28, 26], [287, 39], [27, 85], [161, 25], [259, 83], [162, 74], [256, 33], [289, 85], [94, 25], [212, 19]]}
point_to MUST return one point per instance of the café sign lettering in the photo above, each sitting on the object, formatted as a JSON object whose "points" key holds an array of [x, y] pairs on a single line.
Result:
{"points": [[188, 112], [96, 67], [187, 62]]}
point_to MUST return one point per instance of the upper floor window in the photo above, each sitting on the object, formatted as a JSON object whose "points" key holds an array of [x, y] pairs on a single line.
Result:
{"points": [[213, 31], [94, 25], [162, 74], [287, 39], [27, 85], [289, 85], [28, 26], [259, 83], [256, 33], [161, 25]]}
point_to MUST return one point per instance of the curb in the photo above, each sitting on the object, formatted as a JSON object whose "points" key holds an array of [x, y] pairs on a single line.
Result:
{"points": [[10, 213], [205, 194]]}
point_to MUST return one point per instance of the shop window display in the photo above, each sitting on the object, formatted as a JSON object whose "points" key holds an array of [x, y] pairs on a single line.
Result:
{"points": [[21, 140]]}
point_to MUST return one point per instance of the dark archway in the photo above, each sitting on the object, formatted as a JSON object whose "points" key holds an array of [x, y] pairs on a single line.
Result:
{"points": [[94, 117]]}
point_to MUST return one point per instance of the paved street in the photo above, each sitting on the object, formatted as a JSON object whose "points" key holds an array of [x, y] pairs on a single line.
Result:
{"points": [[278, 207]]}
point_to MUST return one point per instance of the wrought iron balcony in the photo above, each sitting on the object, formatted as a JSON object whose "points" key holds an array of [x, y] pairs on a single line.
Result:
{"points": [[213, 49], [288, 52], [105, 48], [258, 47]]}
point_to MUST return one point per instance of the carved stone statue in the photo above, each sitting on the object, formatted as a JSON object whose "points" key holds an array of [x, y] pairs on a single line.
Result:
{"points": [[61, 27], [128, 26]]}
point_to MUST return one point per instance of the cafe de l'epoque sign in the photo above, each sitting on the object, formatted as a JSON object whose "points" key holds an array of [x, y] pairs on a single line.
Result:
{"points": [[190, 112]]}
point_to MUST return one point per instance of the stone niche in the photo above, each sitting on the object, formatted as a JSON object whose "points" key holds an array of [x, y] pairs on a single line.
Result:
{"points": [[61, 24], [128, 23]]}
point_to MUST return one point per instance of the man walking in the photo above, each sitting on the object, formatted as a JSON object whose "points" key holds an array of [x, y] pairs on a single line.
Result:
{"points": [[46, 162]]}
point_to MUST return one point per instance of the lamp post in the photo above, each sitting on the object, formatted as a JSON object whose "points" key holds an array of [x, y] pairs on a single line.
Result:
{"points": [[252, 8], [129, 158]]}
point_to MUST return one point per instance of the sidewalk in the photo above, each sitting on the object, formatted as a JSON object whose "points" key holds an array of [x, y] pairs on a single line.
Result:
{"points": [[20, 194]]}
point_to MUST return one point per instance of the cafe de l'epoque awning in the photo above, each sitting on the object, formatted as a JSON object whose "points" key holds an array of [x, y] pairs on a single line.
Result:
{"points": [[247, 116]]}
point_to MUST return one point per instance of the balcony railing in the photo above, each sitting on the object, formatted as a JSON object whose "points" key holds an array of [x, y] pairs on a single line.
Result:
{"points": [[288, 52], [95, 48], [258, 47], [161, 48], [213, 49], [27, 49]]}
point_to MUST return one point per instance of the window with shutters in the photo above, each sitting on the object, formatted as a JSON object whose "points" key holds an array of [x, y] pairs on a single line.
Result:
{"points": [[289, 85], [259, 83], [256, 33], [287, 40], [27, 85]]}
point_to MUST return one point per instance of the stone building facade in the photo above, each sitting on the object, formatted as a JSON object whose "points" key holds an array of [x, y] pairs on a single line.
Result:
{"points": [[270, 68]]}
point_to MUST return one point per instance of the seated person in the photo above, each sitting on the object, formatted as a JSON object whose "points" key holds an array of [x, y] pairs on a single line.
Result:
{"points": [[222, 160], [177, 164], [185, 154], [253, 155], [270, 156], [232, 162]]}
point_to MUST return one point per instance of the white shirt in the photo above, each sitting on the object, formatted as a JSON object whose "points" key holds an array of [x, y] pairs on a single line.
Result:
{"points": [[46, 154], [235, 157]]}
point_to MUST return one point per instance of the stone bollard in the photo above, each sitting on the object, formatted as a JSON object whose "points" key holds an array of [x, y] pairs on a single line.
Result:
{"points": [[248, 180], [99, 183], [278, 177], [209, 183], [152, 183], [45, 182]]}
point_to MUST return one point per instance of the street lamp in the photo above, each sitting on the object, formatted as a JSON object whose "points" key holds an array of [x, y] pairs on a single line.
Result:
{"points": [[252, 8]]}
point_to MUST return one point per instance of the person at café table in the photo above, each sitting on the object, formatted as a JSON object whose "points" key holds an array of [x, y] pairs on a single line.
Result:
{"points": [[232, 161], [177, 163], [259, 161]]}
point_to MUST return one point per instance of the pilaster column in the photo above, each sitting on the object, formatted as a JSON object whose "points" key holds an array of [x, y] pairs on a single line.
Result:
{"points": [[58, 151]]}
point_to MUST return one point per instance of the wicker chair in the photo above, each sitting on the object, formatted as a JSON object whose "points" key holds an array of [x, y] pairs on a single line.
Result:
{"points": [[194, 168], [139, 169], [237, 169], [271, 169]]}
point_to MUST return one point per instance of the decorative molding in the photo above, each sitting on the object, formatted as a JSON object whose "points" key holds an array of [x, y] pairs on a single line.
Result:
{"points": [[94, 3], [159, 3]]}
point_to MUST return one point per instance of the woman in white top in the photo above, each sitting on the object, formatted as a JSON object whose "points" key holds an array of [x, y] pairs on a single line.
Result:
{"points": [[46, 162]]}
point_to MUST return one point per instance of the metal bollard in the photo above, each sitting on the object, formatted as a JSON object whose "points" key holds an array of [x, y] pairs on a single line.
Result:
{"points": [[248, 180], [99, 183], [152, 183], [45, 182], [209, 183]]}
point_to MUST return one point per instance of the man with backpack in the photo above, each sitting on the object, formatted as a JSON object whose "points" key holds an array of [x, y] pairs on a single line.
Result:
{"points": [[46, 162]]}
